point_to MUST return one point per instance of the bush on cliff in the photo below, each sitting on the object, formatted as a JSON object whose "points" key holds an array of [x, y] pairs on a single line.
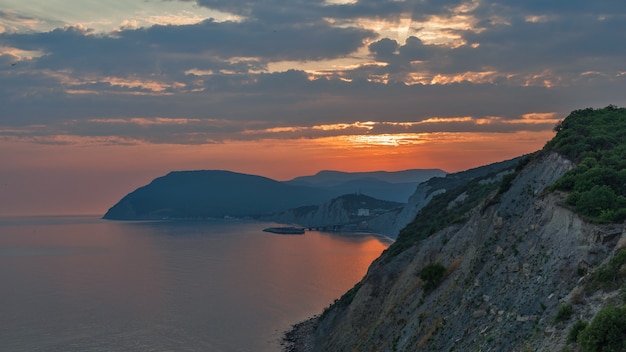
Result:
{"points": [[606, 333], [595, 139], [432, 274]]}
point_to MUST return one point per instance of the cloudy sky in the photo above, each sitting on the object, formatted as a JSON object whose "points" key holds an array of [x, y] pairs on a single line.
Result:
{"points": [[99, 97]]}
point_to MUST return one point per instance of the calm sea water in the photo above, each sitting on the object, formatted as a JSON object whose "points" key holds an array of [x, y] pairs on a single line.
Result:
{"points": [[86, 284]]}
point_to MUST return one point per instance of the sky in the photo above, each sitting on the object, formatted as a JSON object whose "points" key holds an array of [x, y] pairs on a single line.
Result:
{"points": [[98, 98]]}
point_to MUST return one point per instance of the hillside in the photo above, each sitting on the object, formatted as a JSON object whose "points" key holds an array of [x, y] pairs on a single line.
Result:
{"points": [[212, 194], [217, 193], [350, 212], [331, 178], [396, 186], [388, 218], [517, 268]]}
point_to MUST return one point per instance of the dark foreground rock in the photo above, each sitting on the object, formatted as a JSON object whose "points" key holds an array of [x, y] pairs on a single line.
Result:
{"points": [[299, 338]]}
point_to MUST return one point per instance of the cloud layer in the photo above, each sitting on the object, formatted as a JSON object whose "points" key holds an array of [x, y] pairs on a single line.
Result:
{"points": [[310, 69]]}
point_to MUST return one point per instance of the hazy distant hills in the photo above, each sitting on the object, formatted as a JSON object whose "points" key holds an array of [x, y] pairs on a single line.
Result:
{"points": [[212, 194], [395, 186], [500, 258], [383, 218], [329, 178], [218, 194]]}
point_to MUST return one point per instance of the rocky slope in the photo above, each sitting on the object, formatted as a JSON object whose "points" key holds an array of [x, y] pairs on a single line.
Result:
{"points": [[218, 193], [388, 218], [396, 186], [391, 223], [349, 212], [502, 277], [212, 194]]}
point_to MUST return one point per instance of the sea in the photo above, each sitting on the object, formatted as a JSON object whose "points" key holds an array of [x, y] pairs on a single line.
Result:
{"points": [[80, 283]]}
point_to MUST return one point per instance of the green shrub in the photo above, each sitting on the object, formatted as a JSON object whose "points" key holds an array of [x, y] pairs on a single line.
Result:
{"points": [[606, 333], [564, 313], [436, 215], [507, 182], [610, 275], [596, 201], [575, 330], [596, 140], [432, 274], [347, 297]]}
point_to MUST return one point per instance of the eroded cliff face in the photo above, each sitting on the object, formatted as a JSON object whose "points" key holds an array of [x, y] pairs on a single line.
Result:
{"points": [[509, 269], [391, 221], [388, 223]]}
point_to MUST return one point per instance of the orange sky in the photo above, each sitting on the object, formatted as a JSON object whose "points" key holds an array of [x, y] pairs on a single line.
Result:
{"points": [[89, 178], [99, 99]]}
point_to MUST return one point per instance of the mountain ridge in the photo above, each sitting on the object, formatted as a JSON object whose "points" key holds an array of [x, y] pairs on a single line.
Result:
{"points": [[222, 193], [402, 176], [390, 223], [522, 270], [395, 186], [211, 194]]}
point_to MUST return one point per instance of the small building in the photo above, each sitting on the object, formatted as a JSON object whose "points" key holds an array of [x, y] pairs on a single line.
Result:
{"points": [[363, 212]]}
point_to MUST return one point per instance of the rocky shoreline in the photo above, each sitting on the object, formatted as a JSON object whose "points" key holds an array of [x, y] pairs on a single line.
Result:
{"points": [[299, 338]]}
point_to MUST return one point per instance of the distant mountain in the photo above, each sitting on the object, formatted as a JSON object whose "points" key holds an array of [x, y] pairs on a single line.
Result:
{"points": [[395, 186], [386, 217], [330, 178], [526, 258], [392, 222], [213, 194], [348, 212], [217, 193]]}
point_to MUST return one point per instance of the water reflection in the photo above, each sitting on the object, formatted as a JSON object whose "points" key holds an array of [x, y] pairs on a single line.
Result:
{"points": [[84, 284]]}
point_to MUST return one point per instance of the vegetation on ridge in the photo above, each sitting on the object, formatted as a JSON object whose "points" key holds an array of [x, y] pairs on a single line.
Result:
{"points": [[442, 211], [607, 330], [595, 139], [611, 275], [606, 333], [432, 274], [518, 242]]}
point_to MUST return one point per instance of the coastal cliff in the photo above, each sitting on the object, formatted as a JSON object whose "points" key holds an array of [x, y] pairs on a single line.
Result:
{"points": [[391, 223], [203, 194], [386, 217], [212, 194], [521, 270], [350, 212]]}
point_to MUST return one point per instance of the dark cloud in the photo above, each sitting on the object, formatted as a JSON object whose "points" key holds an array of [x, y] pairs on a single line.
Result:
{"points": [[557, 7], [519, 57], [299, 11], [413, 49], [253, 39], [170, 49], [308, 11], [384, 49], [520, 43], [400, 57], [554, 30], [77, 60]]}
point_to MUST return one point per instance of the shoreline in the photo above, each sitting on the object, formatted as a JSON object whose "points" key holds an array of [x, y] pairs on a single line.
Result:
{"points": [[383, 238], [300, 337]]}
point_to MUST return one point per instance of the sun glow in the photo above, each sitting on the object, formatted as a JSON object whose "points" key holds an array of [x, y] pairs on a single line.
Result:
{"points": [[394, 140]]}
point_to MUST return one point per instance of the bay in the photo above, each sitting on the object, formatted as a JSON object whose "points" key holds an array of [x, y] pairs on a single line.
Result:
{"points": [[79, 283]]}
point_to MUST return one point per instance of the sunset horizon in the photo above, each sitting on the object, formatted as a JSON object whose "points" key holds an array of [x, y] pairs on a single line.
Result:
{"points": [[99, 99], [82, 184]]}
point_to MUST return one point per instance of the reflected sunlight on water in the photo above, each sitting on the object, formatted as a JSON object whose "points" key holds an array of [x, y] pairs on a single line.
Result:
{"points": [[85, 284]]}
